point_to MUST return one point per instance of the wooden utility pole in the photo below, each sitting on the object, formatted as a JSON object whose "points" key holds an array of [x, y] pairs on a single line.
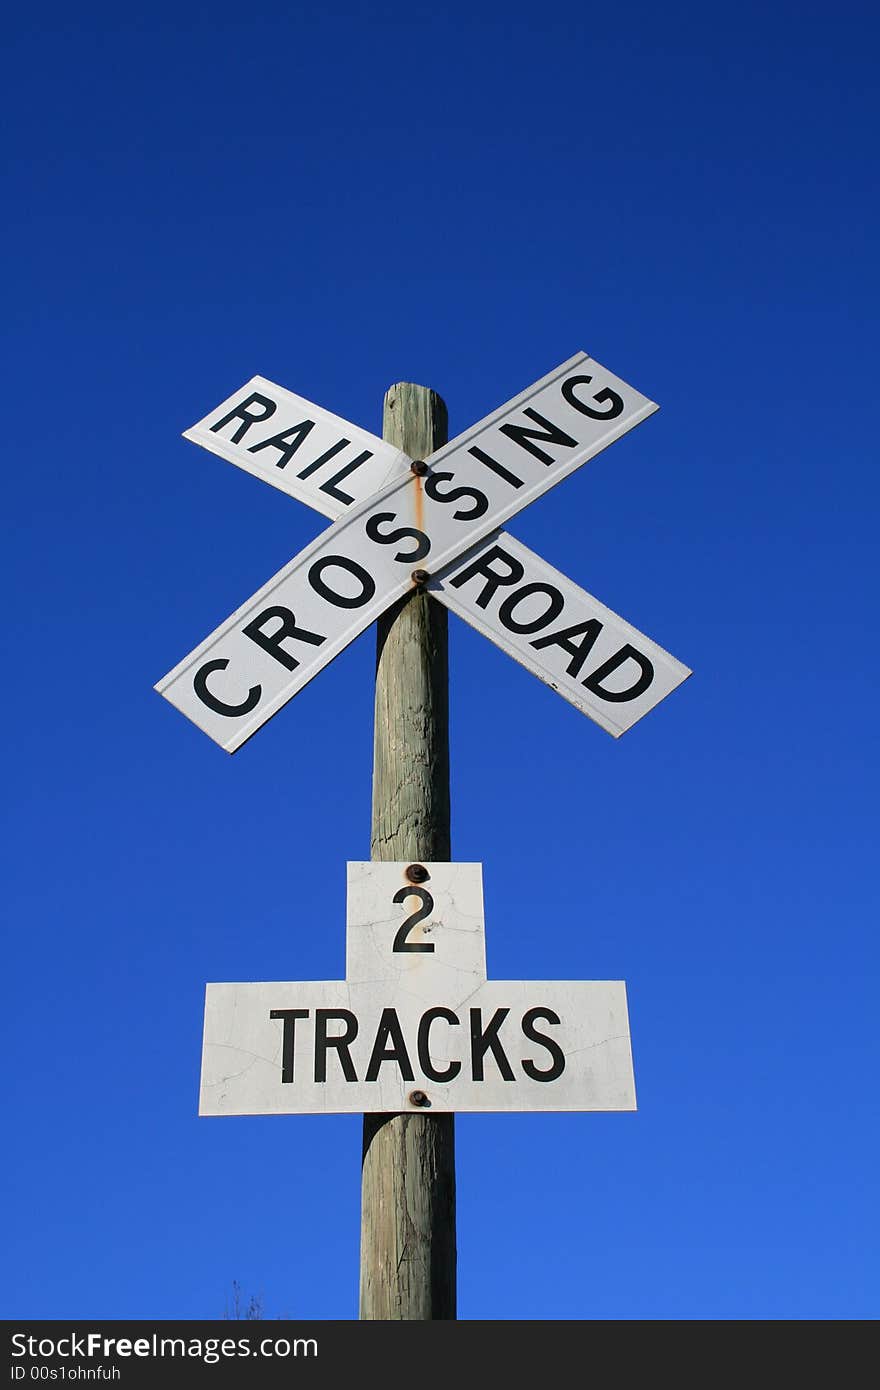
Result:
{"points": [[408, 1172]]}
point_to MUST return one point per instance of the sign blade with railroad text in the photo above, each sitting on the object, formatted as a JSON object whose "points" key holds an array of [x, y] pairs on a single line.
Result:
{"points": [[596, 660], [298, 447], [416, 1024], [307, 613]]}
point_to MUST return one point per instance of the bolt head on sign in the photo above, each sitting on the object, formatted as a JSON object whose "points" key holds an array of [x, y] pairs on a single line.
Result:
{"points": [[416, 1024], [426, 522]]}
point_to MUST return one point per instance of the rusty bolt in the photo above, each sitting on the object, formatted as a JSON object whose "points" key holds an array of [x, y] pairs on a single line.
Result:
{"points": [[419, 467], [420, 577], [417, 873], [419, 1098]]}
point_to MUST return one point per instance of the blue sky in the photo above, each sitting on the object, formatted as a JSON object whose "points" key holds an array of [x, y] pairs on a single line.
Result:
{"points": [[338, 198]]}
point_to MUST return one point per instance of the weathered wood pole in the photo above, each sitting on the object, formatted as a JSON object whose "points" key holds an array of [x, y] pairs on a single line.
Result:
{"points": [[408, 1172]]}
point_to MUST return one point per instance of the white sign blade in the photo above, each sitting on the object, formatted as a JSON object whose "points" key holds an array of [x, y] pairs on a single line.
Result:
{"points": [[302, 618], [527, 446], [298, 447], [416, 1025], [334, 588], [605, 667]]}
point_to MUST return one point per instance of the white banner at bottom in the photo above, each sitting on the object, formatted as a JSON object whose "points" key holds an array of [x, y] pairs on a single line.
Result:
{"points": [[416, 1025]]}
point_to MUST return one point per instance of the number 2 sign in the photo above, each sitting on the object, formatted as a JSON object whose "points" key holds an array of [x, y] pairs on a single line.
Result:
{"points": [[416, 1023]]}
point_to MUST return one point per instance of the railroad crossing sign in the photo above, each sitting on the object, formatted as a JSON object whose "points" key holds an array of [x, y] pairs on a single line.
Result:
{"points": [[415, 1024], [399, 522]]}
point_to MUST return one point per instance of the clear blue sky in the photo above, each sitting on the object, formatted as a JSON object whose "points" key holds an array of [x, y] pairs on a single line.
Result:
{"points": [[339, 197]]}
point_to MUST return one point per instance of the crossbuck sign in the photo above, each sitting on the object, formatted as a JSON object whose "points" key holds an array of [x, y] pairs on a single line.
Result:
{"points": [[398, 522]]}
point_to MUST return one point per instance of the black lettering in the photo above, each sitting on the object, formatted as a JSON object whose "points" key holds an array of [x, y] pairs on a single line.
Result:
{"points": [[401, 937], [626, 653], [372, 528], [615, 407], [481, 501], [289, 1016], [427, 1066], [483, 567], [330, 486], [557, 1066], [271, 641], [389, 1028], [554, 608], [486, 1039], [366, 581], [310, 468], [285, 446], [496, 467], [578, 651], [247, 417], [550, 433], [200, 686], [341, 1041]]}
